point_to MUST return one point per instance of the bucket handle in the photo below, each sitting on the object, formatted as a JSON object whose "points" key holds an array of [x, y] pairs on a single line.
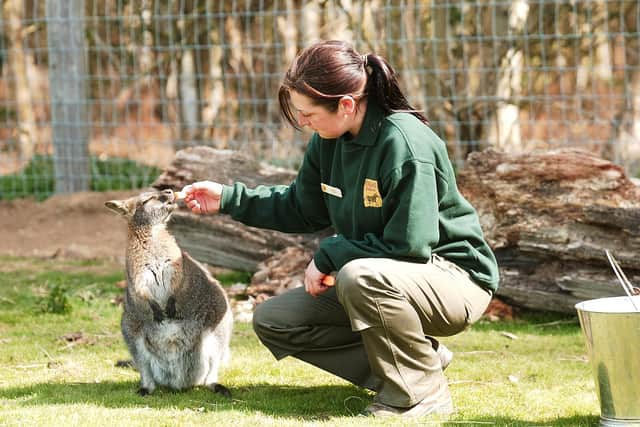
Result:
{"points": [[629, 289]]}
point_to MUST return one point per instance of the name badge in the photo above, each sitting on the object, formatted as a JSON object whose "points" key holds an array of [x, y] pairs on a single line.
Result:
{"points": [[334, 191]]}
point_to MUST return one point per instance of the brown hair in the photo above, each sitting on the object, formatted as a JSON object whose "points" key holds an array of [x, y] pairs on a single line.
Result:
{"points": [[328, 70]]}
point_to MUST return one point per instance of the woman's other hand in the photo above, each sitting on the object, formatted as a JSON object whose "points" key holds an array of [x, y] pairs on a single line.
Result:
{"points": [[203, 197], [313, 280]]}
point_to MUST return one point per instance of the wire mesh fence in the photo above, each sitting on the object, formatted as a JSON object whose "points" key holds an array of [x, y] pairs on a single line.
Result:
{"points": [[99, 94]]}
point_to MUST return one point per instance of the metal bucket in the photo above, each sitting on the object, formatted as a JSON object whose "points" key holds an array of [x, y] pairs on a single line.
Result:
{"points": [[611, 327]]}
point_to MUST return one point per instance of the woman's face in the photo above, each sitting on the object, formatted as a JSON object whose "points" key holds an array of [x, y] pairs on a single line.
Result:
{"points": [[328, 124]]}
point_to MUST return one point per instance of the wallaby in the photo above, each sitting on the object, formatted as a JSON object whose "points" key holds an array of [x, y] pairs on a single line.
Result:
{"points": [[177, 321]]}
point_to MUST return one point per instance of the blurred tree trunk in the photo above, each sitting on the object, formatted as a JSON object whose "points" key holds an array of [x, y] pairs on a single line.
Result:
{"points": [[336, 17], [289, 32], [411, 57], [603, 60], [504, 128], [147, 60], [310, 21], [627, 138], [242, 33], [371, 31], [468, 77], [634, 128], [214, 90], [189, 94], [626, 144], [18, 59], [189, 102], [596, 51], [439, 64], [234, 60], [69, 103]]}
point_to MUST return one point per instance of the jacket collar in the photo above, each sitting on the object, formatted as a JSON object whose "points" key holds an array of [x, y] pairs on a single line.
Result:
{"points": [[370, 126]]}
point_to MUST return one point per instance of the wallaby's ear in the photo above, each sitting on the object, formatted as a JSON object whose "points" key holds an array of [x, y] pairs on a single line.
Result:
{"points": [[118, 206]]}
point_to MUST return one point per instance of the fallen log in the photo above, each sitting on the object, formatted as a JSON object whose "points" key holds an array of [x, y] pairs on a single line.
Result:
{"points": [[549, 216], [217, 239], [224, 166]]}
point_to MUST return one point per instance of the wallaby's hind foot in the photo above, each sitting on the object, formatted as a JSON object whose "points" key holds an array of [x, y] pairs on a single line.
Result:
{"points": [[219, 388], [125, 364], [143, 391]]}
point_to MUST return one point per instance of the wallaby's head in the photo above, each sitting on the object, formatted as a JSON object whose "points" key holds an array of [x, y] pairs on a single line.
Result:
{"points": [[146, 209]]}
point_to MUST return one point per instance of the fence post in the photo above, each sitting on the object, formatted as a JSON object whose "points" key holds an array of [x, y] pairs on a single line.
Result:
{"points": [[67, 83]]}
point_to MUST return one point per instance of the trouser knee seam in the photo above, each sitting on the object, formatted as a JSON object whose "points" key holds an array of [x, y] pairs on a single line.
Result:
{"points": [[390, 347]]}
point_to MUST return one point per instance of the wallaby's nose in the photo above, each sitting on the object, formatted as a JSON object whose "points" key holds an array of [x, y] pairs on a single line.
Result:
{"points": [[168, 195]]}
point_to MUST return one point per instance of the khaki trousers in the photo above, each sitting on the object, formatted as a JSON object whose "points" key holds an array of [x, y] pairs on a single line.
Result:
{"points": [[376, 327]]}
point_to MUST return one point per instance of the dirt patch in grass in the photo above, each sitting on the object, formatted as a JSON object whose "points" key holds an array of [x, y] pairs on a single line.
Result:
{"points": [[74, 226]]}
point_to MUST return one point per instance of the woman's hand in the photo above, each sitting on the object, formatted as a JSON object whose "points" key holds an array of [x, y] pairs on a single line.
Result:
{"points": [[313, 280], [203, 197]]}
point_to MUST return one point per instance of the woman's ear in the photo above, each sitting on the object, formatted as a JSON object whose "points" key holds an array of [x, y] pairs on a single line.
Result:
{"points": [[347, 105]]}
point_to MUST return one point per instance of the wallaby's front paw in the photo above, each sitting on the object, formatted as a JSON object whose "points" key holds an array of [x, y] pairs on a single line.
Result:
{"points": [[158, 315], [219, 388], [171, 308], [143, 391]]}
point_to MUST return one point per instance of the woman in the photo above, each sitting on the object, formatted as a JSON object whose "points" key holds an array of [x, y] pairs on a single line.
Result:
{"points": [[410, 257]]}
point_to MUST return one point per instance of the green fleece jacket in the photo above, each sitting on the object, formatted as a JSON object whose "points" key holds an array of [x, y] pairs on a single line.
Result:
{"points": [[390, 192]]}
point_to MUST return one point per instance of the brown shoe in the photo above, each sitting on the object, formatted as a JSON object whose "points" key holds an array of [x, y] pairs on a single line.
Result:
{"points": [[439, 403]]}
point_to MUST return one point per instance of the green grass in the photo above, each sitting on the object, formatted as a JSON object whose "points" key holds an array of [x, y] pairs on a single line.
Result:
{"points": [[37, 178], [47, 378], [230, 277]]}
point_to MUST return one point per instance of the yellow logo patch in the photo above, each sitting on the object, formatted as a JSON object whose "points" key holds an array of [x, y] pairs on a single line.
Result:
{"points": [[372, 198]]}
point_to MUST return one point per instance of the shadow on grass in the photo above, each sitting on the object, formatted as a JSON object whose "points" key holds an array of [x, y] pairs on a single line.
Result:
{"points": [[573, 421], [307, 403], [314, 402]]}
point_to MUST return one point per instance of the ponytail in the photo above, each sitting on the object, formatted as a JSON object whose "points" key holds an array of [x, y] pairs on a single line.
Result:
{"points": [[383, 88]]}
